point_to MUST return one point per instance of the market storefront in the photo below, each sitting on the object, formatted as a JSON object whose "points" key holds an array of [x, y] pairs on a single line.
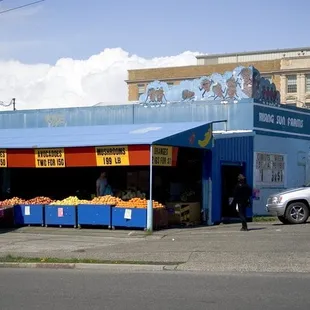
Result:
{"points": [[148, 166]]}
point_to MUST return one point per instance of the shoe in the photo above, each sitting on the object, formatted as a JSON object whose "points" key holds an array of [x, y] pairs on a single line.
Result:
{"points": [[244, 229]]}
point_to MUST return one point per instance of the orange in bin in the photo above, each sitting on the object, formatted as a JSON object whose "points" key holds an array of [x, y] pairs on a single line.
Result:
{"points": [[138, 203]]}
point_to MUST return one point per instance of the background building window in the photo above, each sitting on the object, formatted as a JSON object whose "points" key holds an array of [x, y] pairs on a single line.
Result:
{"points": [[291, 84], [308, 83], [170, 84], [141, 90]]}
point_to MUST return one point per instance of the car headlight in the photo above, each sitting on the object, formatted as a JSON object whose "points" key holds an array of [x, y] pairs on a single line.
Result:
{"points": [[275, 200]]}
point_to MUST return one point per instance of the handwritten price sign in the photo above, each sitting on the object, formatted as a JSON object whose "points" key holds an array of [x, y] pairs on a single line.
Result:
{"points": [[112, 156], [50, 158], [3, 158]]}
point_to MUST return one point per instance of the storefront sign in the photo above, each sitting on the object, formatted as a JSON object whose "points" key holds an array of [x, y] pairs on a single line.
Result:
{"points": [[270, 169], [3, 158], [282, 120], [50, 158], [162, 156], [112, 156]]}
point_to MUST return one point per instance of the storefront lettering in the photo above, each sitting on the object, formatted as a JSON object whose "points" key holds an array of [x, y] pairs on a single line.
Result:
{"points": [[281, 120], [112, 156], [3, 158], [50, 158], [162, 156]]}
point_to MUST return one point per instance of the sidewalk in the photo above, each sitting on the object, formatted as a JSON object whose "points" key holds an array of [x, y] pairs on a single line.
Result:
{"points": [[266, 247]]}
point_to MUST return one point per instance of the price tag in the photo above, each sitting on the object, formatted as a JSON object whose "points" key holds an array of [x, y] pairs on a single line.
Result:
{"points": [[60, 212], [27, 210], [3, 158], [127, 215], [50, 158], [112, 156], [162, 156]]}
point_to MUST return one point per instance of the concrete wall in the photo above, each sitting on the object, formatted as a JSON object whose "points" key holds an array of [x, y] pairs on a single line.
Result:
{"points": [[297, 168]]}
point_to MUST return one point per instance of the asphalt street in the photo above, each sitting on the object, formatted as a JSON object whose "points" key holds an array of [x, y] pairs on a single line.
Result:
{"points": [[30, 289], [267, 247]]}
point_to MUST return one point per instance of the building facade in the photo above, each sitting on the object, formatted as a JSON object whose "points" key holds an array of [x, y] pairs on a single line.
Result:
{"points": [[288, 69]]}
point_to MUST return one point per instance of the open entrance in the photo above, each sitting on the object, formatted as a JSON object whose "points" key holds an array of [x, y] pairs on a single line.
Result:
{"points": [[229, 175]]}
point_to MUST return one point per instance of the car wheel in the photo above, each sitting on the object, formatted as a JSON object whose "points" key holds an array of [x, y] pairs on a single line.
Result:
{"points": [[283, 220], [297, 213]]}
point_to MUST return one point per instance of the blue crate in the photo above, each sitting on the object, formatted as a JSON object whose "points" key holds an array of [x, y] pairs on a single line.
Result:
{"points": [[95, 215], [138, 218], [29, 215], [60, 215]]}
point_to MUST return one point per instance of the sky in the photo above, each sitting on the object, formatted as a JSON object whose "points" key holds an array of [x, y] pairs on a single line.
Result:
{"points": [[63, 53]]}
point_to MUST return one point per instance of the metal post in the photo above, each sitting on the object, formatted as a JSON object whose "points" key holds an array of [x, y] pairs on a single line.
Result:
{"points": [[149, 223], [14, 104]]}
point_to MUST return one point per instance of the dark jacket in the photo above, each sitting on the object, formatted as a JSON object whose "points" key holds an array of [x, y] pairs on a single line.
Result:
{"points": [[242, 194]]}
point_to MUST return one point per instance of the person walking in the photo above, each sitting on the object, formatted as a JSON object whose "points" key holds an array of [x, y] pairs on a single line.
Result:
{"points": [[242, 196]]}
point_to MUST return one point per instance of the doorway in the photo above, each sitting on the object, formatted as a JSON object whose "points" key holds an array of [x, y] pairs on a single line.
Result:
{"points": [[229, 174]]}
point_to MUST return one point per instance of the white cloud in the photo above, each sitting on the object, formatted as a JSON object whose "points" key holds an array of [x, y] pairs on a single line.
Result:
{"points": [[71, 83]]}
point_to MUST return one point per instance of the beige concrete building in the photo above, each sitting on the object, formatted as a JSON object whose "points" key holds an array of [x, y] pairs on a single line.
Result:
{"points": [[289, 69]]}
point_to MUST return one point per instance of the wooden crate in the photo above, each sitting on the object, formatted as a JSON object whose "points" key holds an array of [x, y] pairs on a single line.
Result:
{"points": [[184, 213]]}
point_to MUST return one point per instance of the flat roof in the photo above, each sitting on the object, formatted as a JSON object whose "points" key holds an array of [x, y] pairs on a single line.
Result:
{"points": [[184, 134], [297, 49]]}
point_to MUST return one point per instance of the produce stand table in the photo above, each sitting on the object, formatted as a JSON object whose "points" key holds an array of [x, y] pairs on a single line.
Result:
{"points": [[128, 218], [94, 215], [6, 217], [60, 215], [29, 215]]}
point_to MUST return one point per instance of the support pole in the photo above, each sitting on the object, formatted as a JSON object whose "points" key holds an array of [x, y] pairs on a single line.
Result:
{"points": [[149, 223]]}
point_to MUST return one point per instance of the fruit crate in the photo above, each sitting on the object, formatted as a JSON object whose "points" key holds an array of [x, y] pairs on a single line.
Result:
{"points": [[6, 217], [28, 215], [60, 215], [128, 218], [160, 218], [94, 215]]}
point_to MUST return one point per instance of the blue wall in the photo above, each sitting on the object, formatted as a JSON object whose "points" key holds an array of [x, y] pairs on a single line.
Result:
{"points": [[229, 150], [239, 115], [297, 153]]}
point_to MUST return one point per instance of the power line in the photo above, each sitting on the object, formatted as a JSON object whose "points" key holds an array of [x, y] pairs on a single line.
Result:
{"points": [[6, 105], [20, 7]]}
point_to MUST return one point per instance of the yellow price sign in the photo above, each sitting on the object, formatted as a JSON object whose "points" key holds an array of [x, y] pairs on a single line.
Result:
{"points": [[3, 158], [162, 156], [50, 158], [112, 156]]}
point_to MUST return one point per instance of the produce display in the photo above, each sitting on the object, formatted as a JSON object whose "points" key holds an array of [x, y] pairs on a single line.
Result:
{"points": [[12, 202], [69, 201], [41, 200], [130, 194], [137, 203], [105, 200], [187, 195]]}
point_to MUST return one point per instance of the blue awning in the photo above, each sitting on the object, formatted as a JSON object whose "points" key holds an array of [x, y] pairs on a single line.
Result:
{"points": [[193, 134]]}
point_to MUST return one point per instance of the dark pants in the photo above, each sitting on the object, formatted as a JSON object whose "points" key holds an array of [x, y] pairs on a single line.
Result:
{"points": [[242, 215]]}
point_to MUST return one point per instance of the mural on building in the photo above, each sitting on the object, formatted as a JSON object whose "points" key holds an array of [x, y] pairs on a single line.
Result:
{"points": [[232, 86], [264, 91]]}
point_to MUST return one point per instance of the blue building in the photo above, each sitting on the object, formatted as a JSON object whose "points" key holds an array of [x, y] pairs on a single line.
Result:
{"points": [[253, 134]]}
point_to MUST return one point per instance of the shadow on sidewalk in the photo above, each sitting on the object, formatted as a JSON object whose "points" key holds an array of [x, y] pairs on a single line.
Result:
{"points": [[258, 228]]}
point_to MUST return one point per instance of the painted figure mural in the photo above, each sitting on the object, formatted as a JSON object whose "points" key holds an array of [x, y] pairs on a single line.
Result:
{"points": [[232, 86]]}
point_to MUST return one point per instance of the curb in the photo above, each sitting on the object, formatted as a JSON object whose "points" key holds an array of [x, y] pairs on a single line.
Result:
{"points": [[83, 266]]}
